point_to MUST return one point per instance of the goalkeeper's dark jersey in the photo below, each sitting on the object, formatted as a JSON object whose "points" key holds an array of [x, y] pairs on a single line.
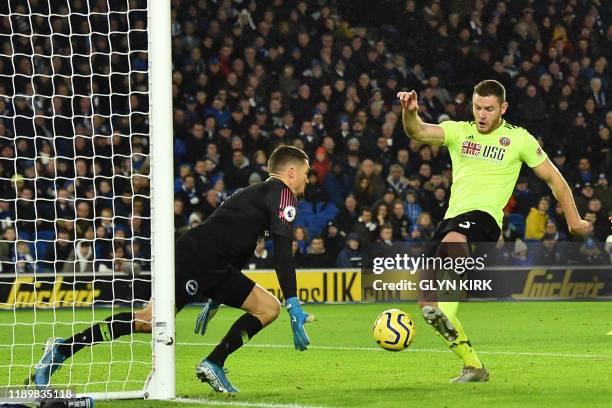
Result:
{"points": [[227, 239]]}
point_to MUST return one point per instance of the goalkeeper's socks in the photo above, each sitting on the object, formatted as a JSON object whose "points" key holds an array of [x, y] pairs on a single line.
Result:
{"points": [[111, 328], [239, 334], [462, 346]]}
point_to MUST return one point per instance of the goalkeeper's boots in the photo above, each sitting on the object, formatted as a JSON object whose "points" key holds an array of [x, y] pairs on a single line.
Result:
{"points": [[471, 374], [436, 318], [213, 374], [51, 360]]}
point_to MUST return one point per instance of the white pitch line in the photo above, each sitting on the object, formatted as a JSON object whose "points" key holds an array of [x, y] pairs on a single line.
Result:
{"points": [[417, 350], [241, 403]]}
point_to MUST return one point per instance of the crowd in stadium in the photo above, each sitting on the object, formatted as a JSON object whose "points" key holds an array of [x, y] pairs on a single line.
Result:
{"points": [[323, 76]]}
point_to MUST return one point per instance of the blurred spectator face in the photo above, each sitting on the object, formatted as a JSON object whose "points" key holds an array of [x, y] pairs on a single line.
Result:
{"points": [[396, 172], [424, 220], [211, 197], [440, 194], [184, 170], [212, 150], [414, 182], [411, 198], [398, 210], [425, 170], [366, 215], [403, 157], [295, 246], [197, 131], [238, 158], [596, 85], [332, 231], [594, 205], [531, 91], [584, 165], [304, 92], [386, 234], [84, 249], [487, 111], [299, 234], [199, 167], [317, 246], [543, 205], [551, 228], [188, 182], [591, 217], [82, 210], [210, 122], [381, 143], [604, 133], [178, 207], [9, 234], [549, 242], [350, 203], [353, 244], [367, 167]]}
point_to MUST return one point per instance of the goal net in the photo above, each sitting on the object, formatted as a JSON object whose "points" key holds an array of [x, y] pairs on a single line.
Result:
{"points": [[77, 196]]}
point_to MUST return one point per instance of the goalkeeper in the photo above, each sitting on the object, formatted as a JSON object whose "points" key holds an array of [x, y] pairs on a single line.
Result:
{"points": [[486, 155], [208, 263]]}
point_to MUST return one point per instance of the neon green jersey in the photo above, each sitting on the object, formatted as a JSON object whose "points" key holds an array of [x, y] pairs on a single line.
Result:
{"points": [[486, 166]]}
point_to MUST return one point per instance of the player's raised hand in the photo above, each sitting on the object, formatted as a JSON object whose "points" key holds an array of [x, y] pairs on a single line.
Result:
{"points": [[409, 100], [582, 228], [298, 318]]}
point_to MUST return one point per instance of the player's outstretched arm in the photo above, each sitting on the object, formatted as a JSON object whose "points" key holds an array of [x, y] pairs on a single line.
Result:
{"points": [[562, 192], [285, 271], [414, 127]]}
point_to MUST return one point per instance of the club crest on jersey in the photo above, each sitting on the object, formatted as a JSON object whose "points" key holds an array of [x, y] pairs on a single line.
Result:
{"points": [[504, 141], [289, 213]]}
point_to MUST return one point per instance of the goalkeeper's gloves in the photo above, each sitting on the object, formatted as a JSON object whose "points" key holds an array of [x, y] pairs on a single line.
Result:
{"points": [[298, 318], [208, 311]]}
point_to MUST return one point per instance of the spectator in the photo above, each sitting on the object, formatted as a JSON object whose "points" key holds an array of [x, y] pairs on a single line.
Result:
{"points": [[365, 227], [549, 253], [351, 256], [81, 259], [301, 237], [348, 215], [535, 224], [412, 207], [261, 258], [333, 239], [7, 250], [399, 222], [316, 254]]}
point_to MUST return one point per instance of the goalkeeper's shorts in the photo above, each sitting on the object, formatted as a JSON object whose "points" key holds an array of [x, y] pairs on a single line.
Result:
{"points": [[199, 274]]}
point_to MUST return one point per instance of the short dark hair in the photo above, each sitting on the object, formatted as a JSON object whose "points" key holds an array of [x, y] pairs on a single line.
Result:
{"points": [[491, 87], [285, 155]]}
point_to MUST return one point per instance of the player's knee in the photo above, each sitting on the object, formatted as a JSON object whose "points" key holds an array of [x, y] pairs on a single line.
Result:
{"points": [[454, 236], [270, 310]]}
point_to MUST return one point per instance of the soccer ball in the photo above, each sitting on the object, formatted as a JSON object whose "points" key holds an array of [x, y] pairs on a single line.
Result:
{"points": [[394, 330]]}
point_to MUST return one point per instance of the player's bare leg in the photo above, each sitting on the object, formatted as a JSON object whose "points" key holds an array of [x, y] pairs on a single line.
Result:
{"points": [[442, 317], [261, 309], [58, 350]]}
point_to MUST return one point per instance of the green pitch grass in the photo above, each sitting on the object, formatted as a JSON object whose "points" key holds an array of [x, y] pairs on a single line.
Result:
{"points": [[539, 355]]}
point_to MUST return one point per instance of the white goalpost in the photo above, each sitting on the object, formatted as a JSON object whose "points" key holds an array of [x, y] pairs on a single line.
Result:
{"points": [[86, 190]]}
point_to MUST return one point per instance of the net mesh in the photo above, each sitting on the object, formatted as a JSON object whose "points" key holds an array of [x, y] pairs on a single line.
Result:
{"points": [[74, 184]]}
